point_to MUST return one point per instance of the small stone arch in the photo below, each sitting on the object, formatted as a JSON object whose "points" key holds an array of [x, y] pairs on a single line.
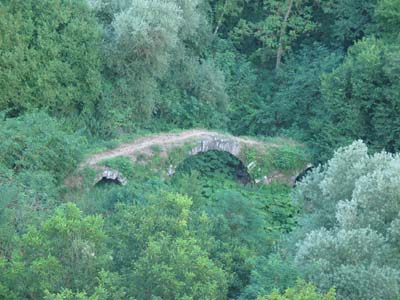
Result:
{"points": [[111, 176]]}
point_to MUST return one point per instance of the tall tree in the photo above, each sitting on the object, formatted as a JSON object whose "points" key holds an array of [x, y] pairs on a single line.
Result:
{"points": [[353, 244], [50, 58], [362, 97], [267, 29]]}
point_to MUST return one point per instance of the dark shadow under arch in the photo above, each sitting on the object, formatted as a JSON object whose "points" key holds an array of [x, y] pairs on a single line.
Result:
{"points": [[106, 175], [216, 161], [106, 181]]}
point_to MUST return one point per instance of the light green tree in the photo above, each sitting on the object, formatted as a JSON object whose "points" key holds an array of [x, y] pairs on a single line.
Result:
{"points": [[354, 246], [66, 251], [302, 291], [162, 256]]}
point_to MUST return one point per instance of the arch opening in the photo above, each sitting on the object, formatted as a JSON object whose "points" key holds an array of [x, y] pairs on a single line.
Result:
{"points": [[213, 163], [303, 174], [107, 176], [107, 181]]}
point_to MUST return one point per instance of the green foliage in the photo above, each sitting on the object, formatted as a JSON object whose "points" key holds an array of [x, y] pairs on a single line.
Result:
{"points": [[26, 198], [215, 163], [145, 34], [354, 209], [269, 274], [348, 22], [361, 98], [162, 255], [297, 102], [195, 94], [66, 250], [241, 86], [322, 189], [289, 157], [243, 217], [275, 159], [50, 58], [240, 217], [108, 288], [302, 291], [37, 142], [155, 65], [387, 14], [207, 176], [263, 29], [163, 271], [122, 164], [138, 53], [36, 154]]}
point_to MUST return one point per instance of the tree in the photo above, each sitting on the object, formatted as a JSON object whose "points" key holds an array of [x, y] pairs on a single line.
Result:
{"points": [[353, 246], [387, 14], [274, 29], [240, 85], [162, 256], [194, 93], [270, 274], [66, 251], [157, 64], [302, 291], [50, 58], [223, 10], [177, 268], [361, 98], [108, 288], [346, 21], [296, 101], [38, 142]]}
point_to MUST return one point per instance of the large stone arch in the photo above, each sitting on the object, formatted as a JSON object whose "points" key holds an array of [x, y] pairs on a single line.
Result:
{"points": [[219, 144], [239, 168], [205, 145]]}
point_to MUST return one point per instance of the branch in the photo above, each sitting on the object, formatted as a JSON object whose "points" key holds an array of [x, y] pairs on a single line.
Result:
{"points": [[282, 33], [219, 23]]}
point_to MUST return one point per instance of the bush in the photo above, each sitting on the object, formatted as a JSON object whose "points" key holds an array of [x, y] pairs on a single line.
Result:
{"points": [[37, 142], [50, 57], [302, 291], [361, 99]]}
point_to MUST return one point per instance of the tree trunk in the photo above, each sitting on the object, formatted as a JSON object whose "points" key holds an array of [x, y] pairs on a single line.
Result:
{"points": [[282, 33], [220, 19]]}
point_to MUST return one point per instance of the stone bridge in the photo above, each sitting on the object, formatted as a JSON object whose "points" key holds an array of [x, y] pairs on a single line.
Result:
{"points": [[281, 160]]}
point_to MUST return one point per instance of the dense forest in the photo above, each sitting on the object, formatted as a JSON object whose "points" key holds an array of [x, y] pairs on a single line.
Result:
{"points": [[78, 77]]}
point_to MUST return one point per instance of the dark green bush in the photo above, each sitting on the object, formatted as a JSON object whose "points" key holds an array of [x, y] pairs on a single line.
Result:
{"points": [[38, 142]]}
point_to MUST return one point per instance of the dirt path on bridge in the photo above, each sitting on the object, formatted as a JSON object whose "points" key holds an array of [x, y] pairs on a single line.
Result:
{"points": [[163, 139]]}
